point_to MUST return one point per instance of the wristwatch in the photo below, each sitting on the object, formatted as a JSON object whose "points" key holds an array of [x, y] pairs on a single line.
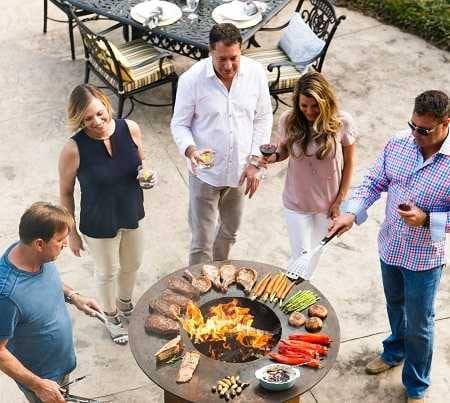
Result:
{"points": [[253, 160], [69, 297]]}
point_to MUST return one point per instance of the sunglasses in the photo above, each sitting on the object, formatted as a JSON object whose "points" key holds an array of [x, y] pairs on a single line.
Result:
{"points": [[422, 130]]}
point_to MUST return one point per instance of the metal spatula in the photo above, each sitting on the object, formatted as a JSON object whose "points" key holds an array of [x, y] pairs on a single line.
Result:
{"points": [[301, 266]]}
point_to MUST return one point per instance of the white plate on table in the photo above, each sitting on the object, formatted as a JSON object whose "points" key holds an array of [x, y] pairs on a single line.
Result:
{"points": [[235, 11], [171, 12], [220, 18]]}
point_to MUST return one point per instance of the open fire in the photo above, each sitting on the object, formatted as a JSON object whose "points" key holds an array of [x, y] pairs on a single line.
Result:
{"points": [[226, 331]]}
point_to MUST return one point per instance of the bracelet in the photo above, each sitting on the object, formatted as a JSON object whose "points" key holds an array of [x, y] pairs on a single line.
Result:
{"points": [[69, 297], [255, 163], [253, 160], [426, 223]]}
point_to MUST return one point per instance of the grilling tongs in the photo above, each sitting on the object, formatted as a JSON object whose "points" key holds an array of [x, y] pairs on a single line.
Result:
{"points": [[74, 398]]}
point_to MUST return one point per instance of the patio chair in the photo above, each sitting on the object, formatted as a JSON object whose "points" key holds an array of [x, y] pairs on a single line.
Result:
{"points": [[64, 7], [128, 68], [282, 73]]}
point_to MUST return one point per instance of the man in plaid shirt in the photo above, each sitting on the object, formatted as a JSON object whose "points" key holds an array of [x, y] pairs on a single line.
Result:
{"points": [[414, 170]]}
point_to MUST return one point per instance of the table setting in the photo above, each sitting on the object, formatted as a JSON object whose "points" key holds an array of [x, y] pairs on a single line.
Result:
{"points": [[154, 13], [241, 14]]}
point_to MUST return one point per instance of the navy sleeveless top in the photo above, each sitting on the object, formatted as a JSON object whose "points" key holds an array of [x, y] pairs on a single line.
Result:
{"points": [[111, 197]]}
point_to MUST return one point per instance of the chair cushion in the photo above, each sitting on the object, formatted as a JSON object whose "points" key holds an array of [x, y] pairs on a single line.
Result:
{"points": [[288, 74], [300, 43], [123, 61], [131, 54]]}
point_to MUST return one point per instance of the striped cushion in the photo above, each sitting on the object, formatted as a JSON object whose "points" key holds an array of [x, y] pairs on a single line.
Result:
{"points": [[288, 74], [131, 54]]}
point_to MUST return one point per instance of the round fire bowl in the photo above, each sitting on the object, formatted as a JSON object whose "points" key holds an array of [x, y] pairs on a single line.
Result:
{"points": [[264, 319]]}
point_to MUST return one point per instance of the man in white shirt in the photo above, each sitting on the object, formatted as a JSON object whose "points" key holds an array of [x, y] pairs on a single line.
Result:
{"points": [[223, 104]]}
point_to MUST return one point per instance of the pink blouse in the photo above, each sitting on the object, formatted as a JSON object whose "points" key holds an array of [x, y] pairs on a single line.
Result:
{"points": [[312, 185]]}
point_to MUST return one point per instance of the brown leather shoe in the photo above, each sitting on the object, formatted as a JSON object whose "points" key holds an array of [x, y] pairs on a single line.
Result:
{"points": [[376, 366], [415, 400]]}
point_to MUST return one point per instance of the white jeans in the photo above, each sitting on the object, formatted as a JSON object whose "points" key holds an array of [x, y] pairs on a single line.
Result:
{"points": [[305, 232], [117, 261]]}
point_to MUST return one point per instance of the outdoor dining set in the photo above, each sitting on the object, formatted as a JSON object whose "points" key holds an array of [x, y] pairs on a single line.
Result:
{"points": [[154, 30]]}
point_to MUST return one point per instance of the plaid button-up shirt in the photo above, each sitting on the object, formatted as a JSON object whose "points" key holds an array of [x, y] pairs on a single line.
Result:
{"points": [[401, 172]]}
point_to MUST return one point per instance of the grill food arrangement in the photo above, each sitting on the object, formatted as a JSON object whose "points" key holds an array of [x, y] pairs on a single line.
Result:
{"points": [[226, 321]]}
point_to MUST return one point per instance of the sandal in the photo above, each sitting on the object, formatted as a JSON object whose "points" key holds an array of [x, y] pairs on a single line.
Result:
{"points": [[125, 307], [115, 328]]}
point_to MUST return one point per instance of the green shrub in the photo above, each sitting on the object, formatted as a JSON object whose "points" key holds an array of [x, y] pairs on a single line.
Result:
{"points": [[429, 19]]}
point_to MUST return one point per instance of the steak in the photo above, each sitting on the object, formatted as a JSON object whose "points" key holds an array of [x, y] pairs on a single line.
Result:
{"points": [[228, 273], [202, 283], [171, 297], [161, 325], [182, 286], [212, 272], [246, 277], [172, 311]]}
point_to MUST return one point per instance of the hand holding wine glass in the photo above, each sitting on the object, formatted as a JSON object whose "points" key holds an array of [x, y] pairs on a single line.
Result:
{"points": [[268, 152], [147, 178], [412, 215]]}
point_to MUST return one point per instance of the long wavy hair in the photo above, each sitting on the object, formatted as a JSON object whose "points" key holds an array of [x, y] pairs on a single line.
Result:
{"points": [[324, 129]]}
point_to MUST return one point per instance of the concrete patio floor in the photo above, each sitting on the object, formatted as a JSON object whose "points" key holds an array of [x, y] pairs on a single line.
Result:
{"points": [[377, 71]]}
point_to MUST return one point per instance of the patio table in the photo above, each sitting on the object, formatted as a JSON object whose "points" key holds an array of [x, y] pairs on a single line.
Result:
{"points": [[185, 37]]}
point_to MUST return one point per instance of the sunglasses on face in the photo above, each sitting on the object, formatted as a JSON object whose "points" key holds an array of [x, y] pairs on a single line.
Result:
{"points": [[422, 130]]}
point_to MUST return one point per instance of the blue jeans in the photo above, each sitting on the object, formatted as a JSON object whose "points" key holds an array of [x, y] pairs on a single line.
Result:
{"points": [[410, 297]]}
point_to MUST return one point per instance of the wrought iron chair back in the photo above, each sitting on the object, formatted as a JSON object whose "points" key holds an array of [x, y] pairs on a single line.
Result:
{"points": [[323, 21], [65, 8], [321, 17], [97, 49], [118, 72]]}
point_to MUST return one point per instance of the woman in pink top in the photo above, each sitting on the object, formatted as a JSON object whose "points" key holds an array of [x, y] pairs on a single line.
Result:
{"points": [[319, 142]]}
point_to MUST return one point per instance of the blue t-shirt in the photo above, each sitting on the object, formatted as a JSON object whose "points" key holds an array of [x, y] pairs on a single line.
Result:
{"points": [[35, 320]]}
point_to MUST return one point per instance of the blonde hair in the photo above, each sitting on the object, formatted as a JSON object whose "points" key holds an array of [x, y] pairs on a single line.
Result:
{"points": [[325, 127], [79, 100], [43, 220]]}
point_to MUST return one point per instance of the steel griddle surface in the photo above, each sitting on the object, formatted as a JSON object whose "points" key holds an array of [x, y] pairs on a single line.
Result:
{"points": [[144, 346]]}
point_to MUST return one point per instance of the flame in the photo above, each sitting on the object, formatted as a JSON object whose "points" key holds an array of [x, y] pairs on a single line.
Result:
{"points": [[225, 322]]}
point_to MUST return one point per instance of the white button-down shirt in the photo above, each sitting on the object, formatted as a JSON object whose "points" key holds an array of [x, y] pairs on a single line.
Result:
{"points": [[232, 123]]}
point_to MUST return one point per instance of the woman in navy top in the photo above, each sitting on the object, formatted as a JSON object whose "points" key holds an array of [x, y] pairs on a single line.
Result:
{"points": [[106, 156]]}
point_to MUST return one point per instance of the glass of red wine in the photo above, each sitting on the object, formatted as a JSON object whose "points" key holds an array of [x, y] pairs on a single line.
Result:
{"points": [[405, 200], [267, 150], [405, 206]]}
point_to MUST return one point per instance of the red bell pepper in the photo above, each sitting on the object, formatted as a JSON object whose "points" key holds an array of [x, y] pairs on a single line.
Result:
{"points": [[322, 350], [289, 360], [309, 351], [318, 338]]}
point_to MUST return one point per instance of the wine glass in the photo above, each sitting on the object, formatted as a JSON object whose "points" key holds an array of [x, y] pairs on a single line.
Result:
{"points": [[147, 178], [267, 150], [191, 6], [405, 201], [206, 159]]}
